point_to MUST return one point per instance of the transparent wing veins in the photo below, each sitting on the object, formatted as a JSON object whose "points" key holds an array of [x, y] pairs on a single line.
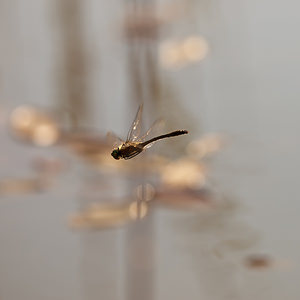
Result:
{"points": [[113, 139], [135, 128], [158, 124]]}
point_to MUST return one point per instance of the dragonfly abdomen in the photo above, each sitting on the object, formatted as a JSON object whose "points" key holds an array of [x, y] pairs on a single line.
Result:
{"points": [[171, 134]]}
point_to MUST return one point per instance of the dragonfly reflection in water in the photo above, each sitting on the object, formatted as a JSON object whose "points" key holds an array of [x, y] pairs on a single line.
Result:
{"points": [[135, 144]]}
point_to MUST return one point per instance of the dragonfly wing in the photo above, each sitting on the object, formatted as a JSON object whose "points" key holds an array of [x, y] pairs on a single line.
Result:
{"points": [[113, 140], [155, 128], [135, 128]]}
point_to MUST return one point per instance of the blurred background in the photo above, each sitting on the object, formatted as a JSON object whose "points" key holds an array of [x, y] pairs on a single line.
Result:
{"points": [[209, 215]]}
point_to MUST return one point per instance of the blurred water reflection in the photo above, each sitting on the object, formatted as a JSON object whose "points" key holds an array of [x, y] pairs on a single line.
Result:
{"points": [[33, 125]]}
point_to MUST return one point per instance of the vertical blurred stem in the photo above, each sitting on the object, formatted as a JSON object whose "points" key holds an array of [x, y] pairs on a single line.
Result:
{"points": [[73, 90], [134, 57], [142, 37], [153, 78], [143, 82], [135, 72], [140, 260]]}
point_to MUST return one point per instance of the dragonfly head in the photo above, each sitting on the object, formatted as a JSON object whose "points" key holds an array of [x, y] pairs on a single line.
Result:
{"points": [[116, 153]]}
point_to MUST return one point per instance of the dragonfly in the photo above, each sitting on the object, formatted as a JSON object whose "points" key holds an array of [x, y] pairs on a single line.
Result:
{"points": [[135, 144]]}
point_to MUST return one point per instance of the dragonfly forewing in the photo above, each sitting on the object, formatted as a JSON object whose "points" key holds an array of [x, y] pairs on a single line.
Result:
{"points": [[135, 129]]}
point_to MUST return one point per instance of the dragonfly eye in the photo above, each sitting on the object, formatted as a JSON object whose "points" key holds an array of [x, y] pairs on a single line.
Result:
{"points": [[115, 154]]}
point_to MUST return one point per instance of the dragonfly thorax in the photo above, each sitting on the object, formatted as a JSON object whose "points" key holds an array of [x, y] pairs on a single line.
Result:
{"points": [[127, 150]]}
